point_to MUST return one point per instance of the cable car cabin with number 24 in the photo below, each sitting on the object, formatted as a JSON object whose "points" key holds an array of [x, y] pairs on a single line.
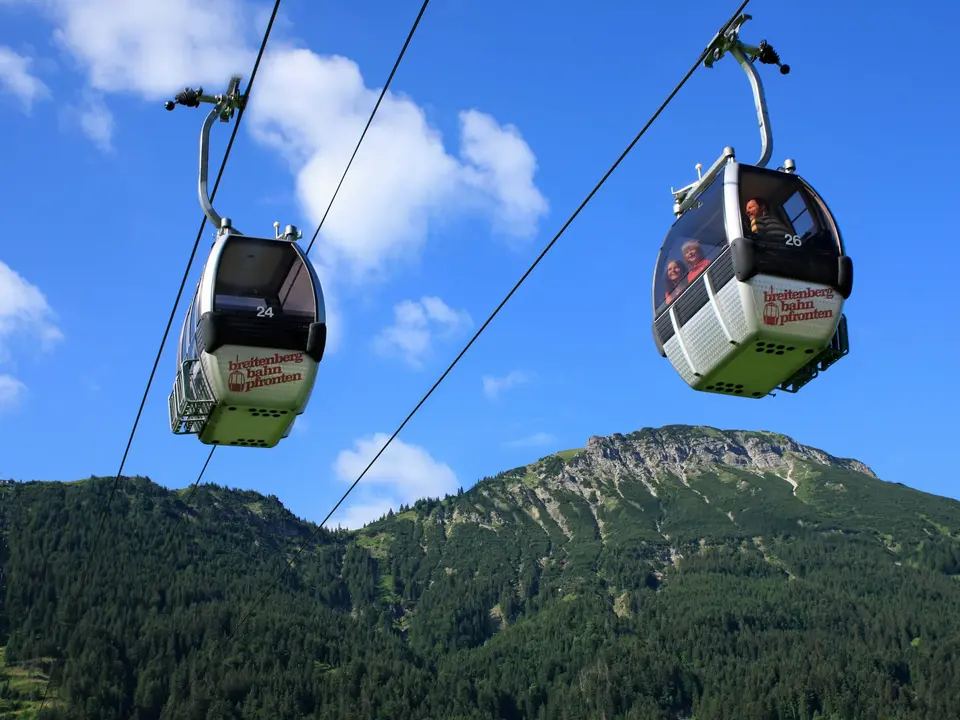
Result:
{"points": [[250, 345], [750, 285]]}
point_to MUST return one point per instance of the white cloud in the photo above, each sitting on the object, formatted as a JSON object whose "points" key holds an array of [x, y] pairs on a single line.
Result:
{"points": [[535, 440], [403, 474], [93, 118], [24, 310], [145, 48], [415, 325], [96, 121], [11, 392], [493, 386], [505, 166], [357, 515], [153, 48], [16, 78], [313, 109]]}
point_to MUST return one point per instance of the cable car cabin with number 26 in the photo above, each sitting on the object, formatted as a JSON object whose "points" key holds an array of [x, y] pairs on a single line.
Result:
{"points": [[750, 285], [251, 344], [750, 281], [256, 328]]}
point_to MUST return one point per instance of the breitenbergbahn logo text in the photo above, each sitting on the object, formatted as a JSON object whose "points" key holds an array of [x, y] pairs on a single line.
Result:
{"points": [[788, 306], [247, 375]]}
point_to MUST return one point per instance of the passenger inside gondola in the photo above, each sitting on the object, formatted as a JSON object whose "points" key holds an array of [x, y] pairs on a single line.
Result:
{"points": [[762, 223], [674, 280], [694, 241], [693, 254]]}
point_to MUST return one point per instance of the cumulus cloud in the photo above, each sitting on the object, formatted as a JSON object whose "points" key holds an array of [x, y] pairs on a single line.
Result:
{"points": [[403, 474], [17, 80], [148, 49], [493, 386], [503, 165], [11, 392], [313, 109], [24, 311], [535, 440], [415, 325], [93, 118], [354, 517], [153, 48]]}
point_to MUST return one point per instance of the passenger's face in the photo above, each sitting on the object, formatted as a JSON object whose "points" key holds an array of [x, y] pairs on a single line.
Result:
{"points": [[753, 210], [673, 271], [692, 254]]}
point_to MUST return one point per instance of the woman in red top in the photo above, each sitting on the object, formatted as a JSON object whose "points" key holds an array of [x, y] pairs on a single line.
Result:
{"points": [[674, 280], [693, 254]]}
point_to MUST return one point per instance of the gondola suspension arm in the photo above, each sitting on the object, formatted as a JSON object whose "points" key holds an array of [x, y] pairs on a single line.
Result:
{"points": [[745, 55], [224, 107]]}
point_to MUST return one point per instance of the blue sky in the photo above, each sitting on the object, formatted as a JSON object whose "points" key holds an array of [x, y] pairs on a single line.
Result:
{"points": [[500, 120]]}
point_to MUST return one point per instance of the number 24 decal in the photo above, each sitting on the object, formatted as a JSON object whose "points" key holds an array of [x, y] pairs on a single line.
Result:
{"points": [[264, 312], [793, 240]]}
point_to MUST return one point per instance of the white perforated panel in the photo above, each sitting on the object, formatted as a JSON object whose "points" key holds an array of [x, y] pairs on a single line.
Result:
{"points": [[705, 340], [733, 311], [675, 355]]}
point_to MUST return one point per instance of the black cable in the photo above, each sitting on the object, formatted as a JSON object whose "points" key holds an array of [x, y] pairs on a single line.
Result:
{"points": [[186, 501], [376, 107], [373, 114], [503, 302], [46, 690], [186, 273], [173, 311]]}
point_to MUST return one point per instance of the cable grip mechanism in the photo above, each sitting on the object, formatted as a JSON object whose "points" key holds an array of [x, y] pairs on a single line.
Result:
{"points": [[224, 107], [763, 52], [227, 103]]}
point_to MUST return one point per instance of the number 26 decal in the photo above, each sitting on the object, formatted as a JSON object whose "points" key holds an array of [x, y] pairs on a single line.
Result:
{"points": [[793, 240]]}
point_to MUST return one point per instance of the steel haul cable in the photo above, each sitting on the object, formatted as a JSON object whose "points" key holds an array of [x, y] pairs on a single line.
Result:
{"points": [[173, 310], [373, 113], [186, 274], [376, 107], [596, 188]]}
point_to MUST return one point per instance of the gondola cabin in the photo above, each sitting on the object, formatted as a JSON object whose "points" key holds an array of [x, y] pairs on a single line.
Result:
{"points": [[251, 342], [750, 285]]}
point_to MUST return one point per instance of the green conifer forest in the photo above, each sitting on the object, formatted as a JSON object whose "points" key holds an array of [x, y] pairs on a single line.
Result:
{"points": [[671, 573]]}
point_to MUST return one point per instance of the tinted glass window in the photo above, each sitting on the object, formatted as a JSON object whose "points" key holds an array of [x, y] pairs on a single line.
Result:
{"points": [[188, 332], [692, 244], [255, 274], [777, 210], [297, 295]]}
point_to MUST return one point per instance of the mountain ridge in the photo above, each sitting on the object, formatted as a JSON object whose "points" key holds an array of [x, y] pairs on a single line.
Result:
{"points": [[652, 455], [669, 572]]}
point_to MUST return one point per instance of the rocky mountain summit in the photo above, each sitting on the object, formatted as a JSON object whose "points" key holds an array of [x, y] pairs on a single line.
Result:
{"points": [[678, 448], [651, 456], [666, 477]]}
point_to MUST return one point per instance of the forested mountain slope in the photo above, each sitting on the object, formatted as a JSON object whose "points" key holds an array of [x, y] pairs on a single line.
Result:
{"points": [[682, 572]]}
